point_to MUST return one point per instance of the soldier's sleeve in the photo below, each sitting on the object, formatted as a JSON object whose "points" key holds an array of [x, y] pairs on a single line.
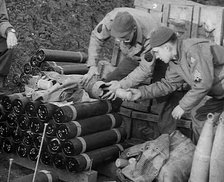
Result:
{"points": [[167, 85], [140, 73], [4, 19], [202, 71], [143, 71], [97, 39]]}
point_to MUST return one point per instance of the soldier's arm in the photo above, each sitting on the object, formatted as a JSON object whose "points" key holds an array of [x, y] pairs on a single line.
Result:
{"points": [[97, 39], [98, 36], [140, 73], [4, 19], [167, 85], [202, 71]]}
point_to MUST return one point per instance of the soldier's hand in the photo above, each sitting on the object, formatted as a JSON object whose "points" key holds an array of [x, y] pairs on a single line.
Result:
{"points": [[11, 40], [93, 70], [109, 96], [177, 112], [110, 89], [113, 85], [135, 94]]}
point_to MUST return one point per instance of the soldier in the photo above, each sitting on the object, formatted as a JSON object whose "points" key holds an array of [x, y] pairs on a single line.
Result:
{"points": [[132, 28], [197, 62], [8, 40]]}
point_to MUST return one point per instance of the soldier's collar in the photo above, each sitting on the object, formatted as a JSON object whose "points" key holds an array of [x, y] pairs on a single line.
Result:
{"points": [[177, 57], [139, 38], [179, 46]]}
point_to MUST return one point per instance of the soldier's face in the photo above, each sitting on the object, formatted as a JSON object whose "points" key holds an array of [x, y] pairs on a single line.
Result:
{"points": [[163, 52], [127, 39]]}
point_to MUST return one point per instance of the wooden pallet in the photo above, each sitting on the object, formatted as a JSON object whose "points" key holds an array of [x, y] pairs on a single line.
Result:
{"points": [[86, 176]]}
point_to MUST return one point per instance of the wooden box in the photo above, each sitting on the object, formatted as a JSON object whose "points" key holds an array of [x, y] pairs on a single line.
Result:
{"points": [[144, 126], [187, 18], [127, 120]]}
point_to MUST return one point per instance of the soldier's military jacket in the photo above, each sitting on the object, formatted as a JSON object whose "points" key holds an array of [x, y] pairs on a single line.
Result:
{"points": [[200, 63], [4, 24], [145, 24], [4, 20]]}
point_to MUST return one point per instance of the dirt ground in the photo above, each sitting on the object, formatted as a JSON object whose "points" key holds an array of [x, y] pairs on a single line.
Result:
{"points": [[16, 171]]}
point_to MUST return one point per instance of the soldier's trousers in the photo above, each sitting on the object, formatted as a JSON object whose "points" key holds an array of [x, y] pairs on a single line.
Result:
{"points": [[5, 58], [166, 123]]}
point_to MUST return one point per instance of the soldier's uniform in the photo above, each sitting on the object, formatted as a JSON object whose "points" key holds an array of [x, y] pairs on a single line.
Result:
{"points": [[131, 53], [200, 63], [5, 54], [136, 62]]}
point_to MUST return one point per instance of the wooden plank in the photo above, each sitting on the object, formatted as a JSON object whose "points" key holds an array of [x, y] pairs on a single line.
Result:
{"points": [[166, 11], [177, 2], [211, 23], [195, 21], [180, 19], [157, 15], [142, 8], [151, 117], [222, 29], [148, 5], [141, 106], [127, 125], [125, 111], [145, 116], [85, 176], [152, 8]]}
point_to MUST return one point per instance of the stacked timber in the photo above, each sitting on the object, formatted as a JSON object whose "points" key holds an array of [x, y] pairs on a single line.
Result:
{"points": [[78, 136], [63, 62]]}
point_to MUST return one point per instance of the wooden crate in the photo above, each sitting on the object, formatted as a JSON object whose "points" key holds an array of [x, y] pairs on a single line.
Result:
{"points": [[144, 125], [127, 120], [139, 125], [137, 106], [85, 176], [187, 18], [185, 126]]}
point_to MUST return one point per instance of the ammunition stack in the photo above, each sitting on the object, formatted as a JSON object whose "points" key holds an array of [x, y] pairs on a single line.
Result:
{"points": [[78, 136], [63, 62]]}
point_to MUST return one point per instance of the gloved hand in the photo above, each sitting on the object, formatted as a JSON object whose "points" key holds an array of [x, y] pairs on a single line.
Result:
{"points": [[11, 40], [93, 70], [177, 112], [135, 94], [110, 89]]}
